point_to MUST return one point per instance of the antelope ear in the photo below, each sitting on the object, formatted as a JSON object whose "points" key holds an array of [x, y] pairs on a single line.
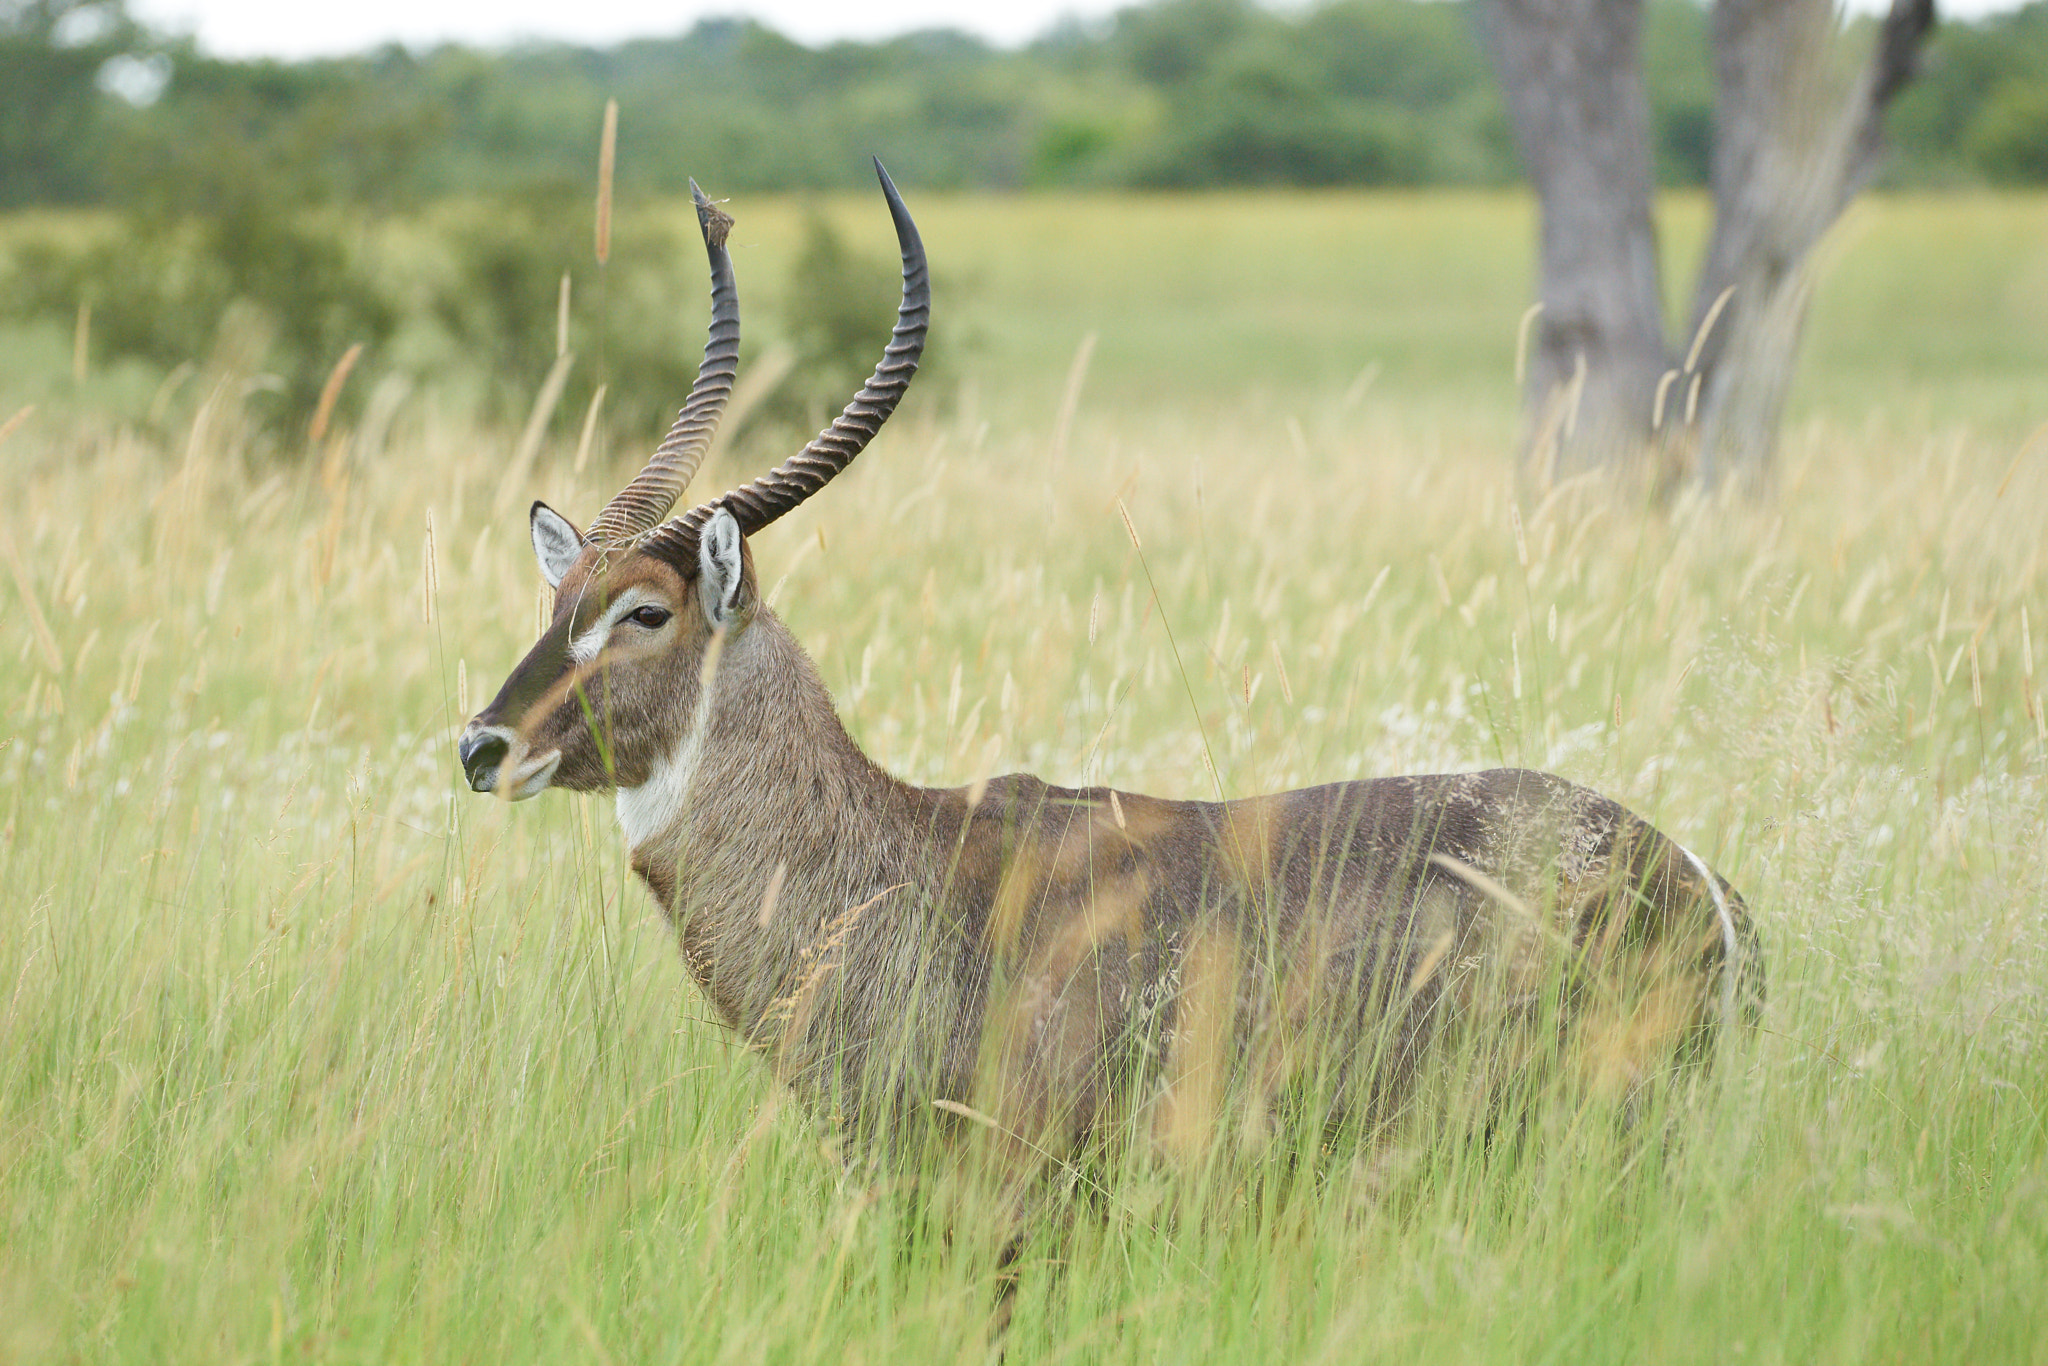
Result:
{"points": [[556, 543], [723, 582]]}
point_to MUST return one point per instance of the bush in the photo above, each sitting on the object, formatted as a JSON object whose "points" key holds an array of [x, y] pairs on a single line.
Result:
{"points": [[2008, 140], [467, 297], [160, 289], [1262, 123]]}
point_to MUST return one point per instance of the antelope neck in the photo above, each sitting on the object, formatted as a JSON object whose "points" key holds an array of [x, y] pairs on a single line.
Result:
{"points": [[762, 750]]}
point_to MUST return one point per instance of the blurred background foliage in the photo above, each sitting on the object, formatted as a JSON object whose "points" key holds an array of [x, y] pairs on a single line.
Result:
{"points": [[246, 190], [1182, 92]]}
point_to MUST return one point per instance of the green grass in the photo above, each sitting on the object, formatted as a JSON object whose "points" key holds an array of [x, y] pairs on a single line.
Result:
{"points": [[308, 1054]]}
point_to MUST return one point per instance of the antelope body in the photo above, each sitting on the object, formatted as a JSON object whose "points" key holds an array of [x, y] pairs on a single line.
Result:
{"points": [[1060, 962]]}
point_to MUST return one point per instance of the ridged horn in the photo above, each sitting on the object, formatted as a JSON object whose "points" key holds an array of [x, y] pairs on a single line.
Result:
{"points": [[640, 506], [757, 504]]}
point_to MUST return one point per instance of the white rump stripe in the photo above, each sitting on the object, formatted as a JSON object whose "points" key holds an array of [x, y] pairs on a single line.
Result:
{"points": [[1729, 945]]}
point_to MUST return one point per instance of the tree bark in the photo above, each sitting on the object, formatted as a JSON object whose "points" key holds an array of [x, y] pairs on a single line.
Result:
{"points": [[1572, 72], [1795, 140], [1791, 149]]}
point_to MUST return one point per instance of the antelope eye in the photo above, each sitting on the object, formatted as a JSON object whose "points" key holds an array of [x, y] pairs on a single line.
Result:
{"points": [[651, 617]]}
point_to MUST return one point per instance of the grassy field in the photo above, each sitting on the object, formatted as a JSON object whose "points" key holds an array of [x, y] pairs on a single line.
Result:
{"points": [[306, 1053]]}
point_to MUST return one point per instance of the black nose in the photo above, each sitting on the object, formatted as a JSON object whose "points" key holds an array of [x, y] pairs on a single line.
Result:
{"points": [[481, 752]]}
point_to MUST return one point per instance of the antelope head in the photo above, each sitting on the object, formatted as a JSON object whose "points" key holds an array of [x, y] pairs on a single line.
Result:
{"points": [[640, 601]]}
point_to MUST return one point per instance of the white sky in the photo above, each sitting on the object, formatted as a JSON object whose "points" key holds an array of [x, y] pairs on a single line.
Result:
{"points": [[237, 28], [283, 28]]}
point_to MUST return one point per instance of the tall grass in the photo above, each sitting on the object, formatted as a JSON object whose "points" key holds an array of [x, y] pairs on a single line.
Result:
{"points": [[306, 1053]]}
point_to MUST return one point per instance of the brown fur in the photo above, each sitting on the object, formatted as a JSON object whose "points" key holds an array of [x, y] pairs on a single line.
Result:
{"points": [[1054, 964]]}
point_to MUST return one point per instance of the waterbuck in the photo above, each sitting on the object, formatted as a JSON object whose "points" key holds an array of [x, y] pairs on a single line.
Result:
{"points": [[1047, 964]]}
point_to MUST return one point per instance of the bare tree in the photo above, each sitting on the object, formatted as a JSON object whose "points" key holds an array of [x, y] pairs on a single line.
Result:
{"points": [[1797, 133]]}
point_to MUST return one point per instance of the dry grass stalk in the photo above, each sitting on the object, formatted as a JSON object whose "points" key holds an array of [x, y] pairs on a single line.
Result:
{"points": [[81, 342], [607, 156], [514, 480], [794, 1011], [430, 576], [756, 384], [1699, 338], [1657, 404], [772, 895], [562, 318], [1522, 330], [46, 641], [330, 393], [588, 437], [1070, 398]]}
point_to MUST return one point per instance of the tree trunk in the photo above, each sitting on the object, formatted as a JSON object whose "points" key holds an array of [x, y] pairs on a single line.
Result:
{"points": [[1792, 147], [1572, 73], [1790, 152]]}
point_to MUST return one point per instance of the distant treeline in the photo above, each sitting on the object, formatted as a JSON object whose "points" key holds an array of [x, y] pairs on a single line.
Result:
{"points": [[250, 204], [1183, 93]]}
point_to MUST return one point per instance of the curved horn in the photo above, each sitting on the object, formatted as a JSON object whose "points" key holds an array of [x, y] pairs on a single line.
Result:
{"points": [[640, 506], [757, 504]]}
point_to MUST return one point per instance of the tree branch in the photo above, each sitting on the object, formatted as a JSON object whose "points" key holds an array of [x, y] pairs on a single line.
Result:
{"points": [[1789, 155]]}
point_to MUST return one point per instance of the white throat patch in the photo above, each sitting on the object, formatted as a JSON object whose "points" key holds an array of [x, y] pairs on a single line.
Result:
{"points": [[656, 805]]}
